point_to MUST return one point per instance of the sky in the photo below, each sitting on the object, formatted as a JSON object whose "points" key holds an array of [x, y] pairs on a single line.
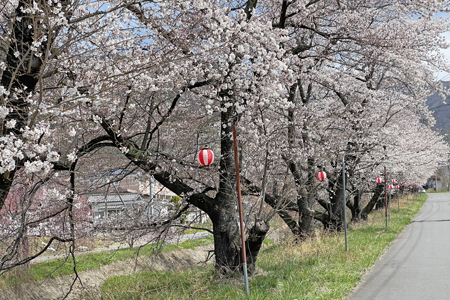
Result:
{"points": [[442, 75]]}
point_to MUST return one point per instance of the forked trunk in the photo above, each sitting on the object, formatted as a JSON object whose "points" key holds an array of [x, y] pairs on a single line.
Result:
{"points": [[224, 215], [227, 240], [377, 199]]}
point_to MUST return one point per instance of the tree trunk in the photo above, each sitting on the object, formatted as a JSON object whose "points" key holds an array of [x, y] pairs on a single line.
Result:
{"points": [[376, 199], [224, 216], [256, 236], [19, 78], [337, 204], [356, 207], [227, 243], [306, 203]]}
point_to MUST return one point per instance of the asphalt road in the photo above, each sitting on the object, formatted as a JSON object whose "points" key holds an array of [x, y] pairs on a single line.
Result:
{"points": [[417, 264]]}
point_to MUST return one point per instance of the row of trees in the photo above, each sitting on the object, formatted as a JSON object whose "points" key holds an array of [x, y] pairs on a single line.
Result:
{"points": [[306, 82]]}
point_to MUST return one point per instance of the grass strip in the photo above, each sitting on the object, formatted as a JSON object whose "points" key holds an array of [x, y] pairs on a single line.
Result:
{"points": [[89, 261], [316, 269]]}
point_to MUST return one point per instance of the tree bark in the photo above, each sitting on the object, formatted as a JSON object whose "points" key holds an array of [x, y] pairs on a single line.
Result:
{"points": [[356, 207], [305, 205], [227, 241], [222, 209], [305, 198], [375, 200], [254, 242], [336, 219], [19, 78]]}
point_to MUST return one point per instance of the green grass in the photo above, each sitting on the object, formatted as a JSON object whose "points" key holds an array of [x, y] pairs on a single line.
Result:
{"points": [[197, 228], [431, 190], [89, 261], [316, 269]]}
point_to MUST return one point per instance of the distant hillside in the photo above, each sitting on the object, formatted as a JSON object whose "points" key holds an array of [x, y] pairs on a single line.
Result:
{"points": [[441, 111]]}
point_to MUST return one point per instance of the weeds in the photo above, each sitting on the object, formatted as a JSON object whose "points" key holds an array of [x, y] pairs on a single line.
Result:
{"points": [[319, 268], [88, 261]]}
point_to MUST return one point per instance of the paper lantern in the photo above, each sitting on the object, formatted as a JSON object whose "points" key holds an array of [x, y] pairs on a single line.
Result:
{"points": [[393, 180], [205, 157], [391, 186], [379, 180], [321, 176], [397, 186]]}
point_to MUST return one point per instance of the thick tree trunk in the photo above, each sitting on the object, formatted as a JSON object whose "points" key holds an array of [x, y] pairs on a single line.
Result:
{"points": [[375, 200], [5, 185], [222, 209], [19, 78], [337, 205], [305, 218], [227, 240], [305, 198], [227, 243], [328, 219], [305, 204], [356, 207]]}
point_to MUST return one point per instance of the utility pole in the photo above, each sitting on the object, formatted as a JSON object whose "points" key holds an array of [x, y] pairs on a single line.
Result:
{"points": [[241, 217], [385, 196], [345, 203]]}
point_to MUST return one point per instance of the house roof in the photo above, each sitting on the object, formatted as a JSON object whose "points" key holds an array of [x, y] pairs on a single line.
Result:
{"points": [[125, 197], [110, 207]]}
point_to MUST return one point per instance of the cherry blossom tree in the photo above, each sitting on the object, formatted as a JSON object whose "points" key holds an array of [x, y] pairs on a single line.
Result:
{"points": [[350, 72], [305, 82]]}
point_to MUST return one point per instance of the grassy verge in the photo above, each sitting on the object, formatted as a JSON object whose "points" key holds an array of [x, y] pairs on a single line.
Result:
{"points": [[316, 269], [89, 261], [431, 190]]}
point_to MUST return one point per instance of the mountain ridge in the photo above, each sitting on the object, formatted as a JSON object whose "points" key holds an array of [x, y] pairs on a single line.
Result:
{"points": [[441, 111]]}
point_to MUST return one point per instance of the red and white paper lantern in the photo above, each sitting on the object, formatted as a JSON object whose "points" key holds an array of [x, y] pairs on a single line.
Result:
{"points": [[321, 176], [205, 157], [391, 186], [393, 180], [398, 186], [379, 180]]}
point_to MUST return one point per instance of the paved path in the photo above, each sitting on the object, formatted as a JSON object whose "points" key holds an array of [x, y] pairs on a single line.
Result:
{"points": [[417, 264]]}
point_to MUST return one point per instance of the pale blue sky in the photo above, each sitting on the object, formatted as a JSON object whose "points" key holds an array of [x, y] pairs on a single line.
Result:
{"points": [[442, 75], [446, 76]]}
